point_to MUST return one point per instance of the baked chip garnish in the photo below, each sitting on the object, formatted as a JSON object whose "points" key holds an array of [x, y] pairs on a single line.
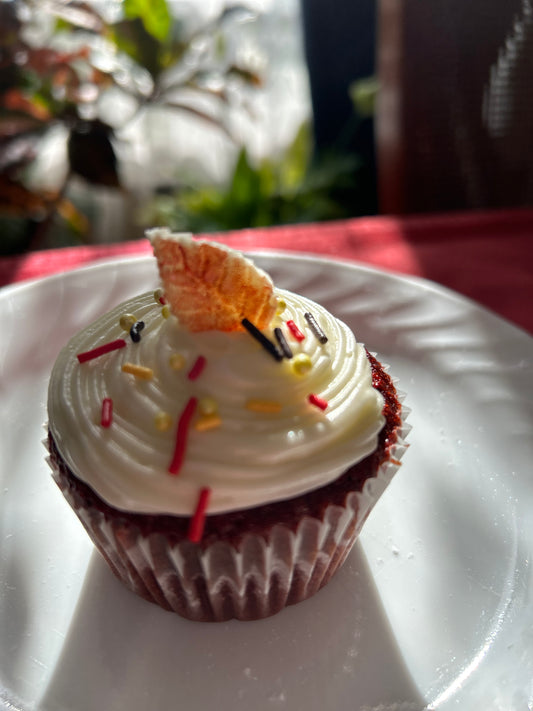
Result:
{"points": [[209, 286]]}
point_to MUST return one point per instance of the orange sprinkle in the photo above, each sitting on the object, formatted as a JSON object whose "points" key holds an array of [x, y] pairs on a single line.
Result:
{"points": [[263, 406], [207, 422], [139, 371]]}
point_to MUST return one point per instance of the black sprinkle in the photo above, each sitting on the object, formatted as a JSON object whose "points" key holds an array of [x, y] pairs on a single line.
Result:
{"points": [[262, 339], [319, 333], [135, 331], [282, 343]]}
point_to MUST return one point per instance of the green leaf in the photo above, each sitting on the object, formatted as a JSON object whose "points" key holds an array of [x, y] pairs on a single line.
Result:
{"points": [[363, 93], [131, 37], [296, 160], [294, 187], [154, 15], [245, 185]]}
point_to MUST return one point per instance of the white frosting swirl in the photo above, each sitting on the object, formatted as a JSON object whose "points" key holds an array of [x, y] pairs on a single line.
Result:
{"points": [[251, 458]]}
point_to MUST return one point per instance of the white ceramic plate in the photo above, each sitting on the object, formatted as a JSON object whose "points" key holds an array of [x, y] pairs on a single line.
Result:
{"points": [[434, 607]]}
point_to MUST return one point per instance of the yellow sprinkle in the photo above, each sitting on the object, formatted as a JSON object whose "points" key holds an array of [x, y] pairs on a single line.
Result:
{"points": [[269, 406], [158, 293], [207, 422], [281, 306], [127, 321], [163, 421], [301, 364], [207, 406], [165, 312], [139, 371], [177, 361]]}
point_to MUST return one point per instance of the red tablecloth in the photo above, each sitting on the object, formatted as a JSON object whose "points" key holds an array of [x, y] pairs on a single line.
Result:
{"points": [[487, 256]]}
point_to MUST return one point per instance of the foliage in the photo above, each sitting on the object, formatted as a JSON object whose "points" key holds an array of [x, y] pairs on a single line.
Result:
{"points": [[363, 93], [294, 188], [63, 80]]}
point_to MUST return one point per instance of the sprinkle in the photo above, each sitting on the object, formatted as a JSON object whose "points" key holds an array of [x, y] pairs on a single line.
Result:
{"points": [[181, 436], [282, 343], [318, 402], [101, 350], [127, 321], [163, 421], [165, 312], [177, 361], [107, 412], [208, 422], [139, 371], [281, 306], [262, 339], [301, 364], [293, 328], [197, 368], [319, 333], [135, 331], [196, 526], [268, 406], [159, 296], [207, 406]]}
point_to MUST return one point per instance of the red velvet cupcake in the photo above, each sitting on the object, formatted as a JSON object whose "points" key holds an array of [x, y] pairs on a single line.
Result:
{"points": [[224, 443]]}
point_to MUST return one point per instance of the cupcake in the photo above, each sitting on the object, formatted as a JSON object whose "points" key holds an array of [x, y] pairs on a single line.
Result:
{"points": [[221, 440]]}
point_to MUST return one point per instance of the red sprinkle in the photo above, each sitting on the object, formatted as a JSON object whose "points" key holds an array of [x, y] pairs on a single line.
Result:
{"points": [[293, 328], [181, 436], [196, 525], [197, 369], [101, 350], [318, 402], [107, 412]]}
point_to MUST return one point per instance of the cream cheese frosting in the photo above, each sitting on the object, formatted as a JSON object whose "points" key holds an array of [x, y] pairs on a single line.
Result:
{"points": [[279, 447]]}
